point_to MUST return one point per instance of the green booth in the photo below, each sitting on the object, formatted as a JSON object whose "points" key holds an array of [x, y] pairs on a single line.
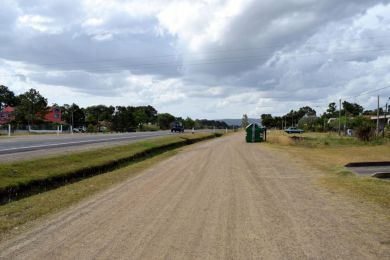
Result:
{"points": [[255, 133]]}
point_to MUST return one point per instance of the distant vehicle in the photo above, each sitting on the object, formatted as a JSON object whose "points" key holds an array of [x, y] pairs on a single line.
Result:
{"points": [[80, 129], [294, 130], [177, 127]]}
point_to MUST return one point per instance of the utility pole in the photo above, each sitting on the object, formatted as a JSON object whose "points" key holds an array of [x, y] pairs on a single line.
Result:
{"points": [[340, 116], [72, 126], [377, 118]]}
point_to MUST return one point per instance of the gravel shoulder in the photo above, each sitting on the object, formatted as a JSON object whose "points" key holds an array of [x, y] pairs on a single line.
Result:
{"points": [[221, 199]]}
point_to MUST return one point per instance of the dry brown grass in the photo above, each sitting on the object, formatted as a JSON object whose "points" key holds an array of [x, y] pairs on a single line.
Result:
{"points": [[330, 155]]}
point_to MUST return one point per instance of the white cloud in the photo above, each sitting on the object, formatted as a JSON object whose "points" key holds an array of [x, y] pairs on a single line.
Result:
{"points": [[211, 58], [39, 23]]}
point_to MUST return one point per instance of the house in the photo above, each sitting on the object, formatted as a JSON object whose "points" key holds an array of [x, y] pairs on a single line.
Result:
{"points": [[6, 115], [53, 116], [383, 120]]}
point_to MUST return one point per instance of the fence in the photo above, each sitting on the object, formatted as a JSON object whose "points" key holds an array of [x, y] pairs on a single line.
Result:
{"points": [[34, 129]]}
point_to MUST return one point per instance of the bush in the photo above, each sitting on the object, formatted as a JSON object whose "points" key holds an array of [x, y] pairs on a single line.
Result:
{"points": [[364, 128], [91, 128], [150, 128]]}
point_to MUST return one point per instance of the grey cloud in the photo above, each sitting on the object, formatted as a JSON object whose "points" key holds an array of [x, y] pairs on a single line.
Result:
{"points": [[274, 50]]}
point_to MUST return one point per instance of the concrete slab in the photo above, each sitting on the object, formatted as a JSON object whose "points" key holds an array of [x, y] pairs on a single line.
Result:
{"points": [[375, 169]]}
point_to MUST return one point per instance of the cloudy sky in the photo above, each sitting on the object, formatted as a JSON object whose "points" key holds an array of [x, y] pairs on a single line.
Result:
{"points": [[199, 58]]}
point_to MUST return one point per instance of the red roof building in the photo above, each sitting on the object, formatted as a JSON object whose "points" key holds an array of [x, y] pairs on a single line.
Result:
{"points": [[54, 115], [6, 115]]}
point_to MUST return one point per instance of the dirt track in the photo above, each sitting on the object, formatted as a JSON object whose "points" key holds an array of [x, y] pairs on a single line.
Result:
{"points": [[222, 199]]}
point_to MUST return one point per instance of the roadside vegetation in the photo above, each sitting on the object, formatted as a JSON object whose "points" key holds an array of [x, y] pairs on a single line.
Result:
{"points": [[21, 179], [15, 215], [330, 153]]}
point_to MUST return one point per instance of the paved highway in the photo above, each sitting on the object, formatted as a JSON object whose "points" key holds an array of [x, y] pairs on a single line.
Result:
{"points": [[13, 145]]}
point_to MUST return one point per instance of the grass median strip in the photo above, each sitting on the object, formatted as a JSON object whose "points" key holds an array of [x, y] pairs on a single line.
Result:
{"points": [[22, 179], [20, 215]]}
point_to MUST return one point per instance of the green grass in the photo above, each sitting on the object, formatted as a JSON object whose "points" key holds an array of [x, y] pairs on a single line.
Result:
{"points": [[36, 175], [312, 139], [19, 215], [364, 189], [329, 153]]}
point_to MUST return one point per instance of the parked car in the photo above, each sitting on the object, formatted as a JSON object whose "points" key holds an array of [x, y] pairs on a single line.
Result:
{"points": [[80, 129], [294, 130]]}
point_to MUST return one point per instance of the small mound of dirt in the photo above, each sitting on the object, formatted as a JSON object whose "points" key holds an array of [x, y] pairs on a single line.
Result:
{"points": [[297, 138]]}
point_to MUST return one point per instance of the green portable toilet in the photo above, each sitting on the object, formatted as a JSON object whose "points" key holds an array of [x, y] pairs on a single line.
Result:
{"points": [[255, 133]]}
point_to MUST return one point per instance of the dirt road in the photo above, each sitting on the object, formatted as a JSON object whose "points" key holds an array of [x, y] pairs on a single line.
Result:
{"points": [[222, 199]]}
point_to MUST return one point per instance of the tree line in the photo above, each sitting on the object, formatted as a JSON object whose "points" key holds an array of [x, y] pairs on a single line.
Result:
{"points": [[31, 108], [306, 117]]}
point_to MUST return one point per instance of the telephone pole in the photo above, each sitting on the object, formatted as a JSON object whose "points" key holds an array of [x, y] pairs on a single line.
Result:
{"points": [[377, 118], [340, 116]]}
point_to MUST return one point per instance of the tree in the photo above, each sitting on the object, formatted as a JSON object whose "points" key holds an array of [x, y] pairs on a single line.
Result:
{"points": [[164, 120], [96, 114], [306, 110], [123, 119], [7, 97], [267, 120], [353, 109], [331, 111], [73, 115], [188, 123], [244, 121], [144, 115], [32, 107], [309, 123], [207, 124]]}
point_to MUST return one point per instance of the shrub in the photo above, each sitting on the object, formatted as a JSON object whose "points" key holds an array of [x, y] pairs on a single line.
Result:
{"points": [[364, 128]]}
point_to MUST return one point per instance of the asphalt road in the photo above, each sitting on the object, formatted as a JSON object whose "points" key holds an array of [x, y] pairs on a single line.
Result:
{"points": [[13, 145], [221, 199]]}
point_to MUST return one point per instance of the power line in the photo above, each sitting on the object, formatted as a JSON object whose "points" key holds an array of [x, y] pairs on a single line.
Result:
{"points": [[225, 60], [195, 53], [371, 91]]}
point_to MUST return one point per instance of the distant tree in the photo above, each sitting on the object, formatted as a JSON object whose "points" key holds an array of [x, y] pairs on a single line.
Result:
{"points": [[309, 123], [208, 124], [96, 114], [32, 107], [373, 112], [353, 109], [123, 119], [144, 115], [244, 121], [151, 114], [331, 111], [294, 116], [267, 120], [73, 115], [306, 110], [164, 120], [189, 123], [7, 97]]}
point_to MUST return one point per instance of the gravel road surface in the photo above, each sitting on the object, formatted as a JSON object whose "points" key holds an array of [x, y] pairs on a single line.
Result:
{"points": [[221, 199]]}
